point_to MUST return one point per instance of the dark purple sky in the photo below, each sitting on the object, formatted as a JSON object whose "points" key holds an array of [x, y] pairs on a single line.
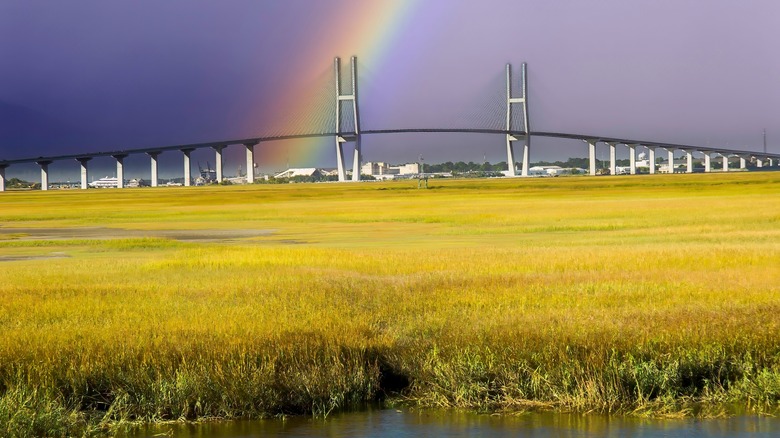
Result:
{"points": [[82, 76]]}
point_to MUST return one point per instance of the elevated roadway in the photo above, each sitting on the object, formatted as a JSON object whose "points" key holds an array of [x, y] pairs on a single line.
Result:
{"points": [[761, 158]]}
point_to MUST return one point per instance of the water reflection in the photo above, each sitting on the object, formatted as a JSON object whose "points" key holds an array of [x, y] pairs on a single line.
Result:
{"points": [[394, 423]]}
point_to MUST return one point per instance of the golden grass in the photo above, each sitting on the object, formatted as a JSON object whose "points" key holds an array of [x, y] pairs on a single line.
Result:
{"points": [[644, 294]]}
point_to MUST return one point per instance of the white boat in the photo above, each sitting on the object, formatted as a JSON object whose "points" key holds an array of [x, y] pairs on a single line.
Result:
{"points": [[104, 183]]}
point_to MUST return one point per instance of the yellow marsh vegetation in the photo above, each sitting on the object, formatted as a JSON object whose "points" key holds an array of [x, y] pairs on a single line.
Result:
{"points": [[630, 294]]}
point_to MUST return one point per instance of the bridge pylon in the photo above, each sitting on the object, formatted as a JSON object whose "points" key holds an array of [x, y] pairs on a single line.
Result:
{"points": [[354, 134], [517, 133]]}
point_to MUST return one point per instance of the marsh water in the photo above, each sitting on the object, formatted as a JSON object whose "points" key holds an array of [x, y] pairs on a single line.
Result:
{"points": [[386, 423]]}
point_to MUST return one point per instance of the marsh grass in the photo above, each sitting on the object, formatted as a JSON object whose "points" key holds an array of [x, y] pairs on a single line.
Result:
{"points": [[646, 295]]}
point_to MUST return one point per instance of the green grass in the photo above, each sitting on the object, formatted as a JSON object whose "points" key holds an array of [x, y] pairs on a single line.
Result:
{"points": [[646, 295]]}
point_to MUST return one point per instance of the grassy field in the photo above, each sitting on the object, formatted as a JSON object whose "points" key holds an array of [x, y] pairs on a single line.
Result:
{"points": [[655, 295]]}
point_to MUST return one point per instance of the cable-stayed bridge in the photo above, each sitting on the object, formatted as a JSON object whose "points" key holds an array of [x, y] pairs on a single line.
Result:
{"points": [[337, 115]]}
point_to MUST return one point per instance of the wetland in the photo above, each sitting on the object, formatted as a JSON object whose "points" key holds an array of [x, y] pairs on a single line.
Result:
{"points": [[641, 297]]}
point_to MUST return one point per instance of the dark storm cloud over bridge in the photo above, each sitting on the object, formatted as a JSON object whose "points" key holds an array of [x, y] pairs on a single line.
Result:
{"points": [[90, 77]]}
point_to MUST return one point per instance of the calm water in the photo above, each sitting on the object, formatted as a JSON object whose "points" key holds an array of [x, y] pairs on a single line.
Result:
{"points": [[392, 423]]}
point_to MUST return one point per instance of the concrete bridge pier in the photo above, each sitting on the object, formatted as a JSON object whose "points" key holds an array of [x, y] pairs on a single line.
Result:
{"points": [[120, 172], [84, 171], [44, 173], [725, 162], [187, 167], [707, 162], [510, 139], [510, 155], [632, 159], [153, 159], [670, 158], [771, 162], [2, 177], [250, 162], [340, 157], [742, 162], [688, 161], [218, 161], [526, 120], [759, 162], [356, 159], [612, 159], [651, 159], [526, 156], [592, 157]]}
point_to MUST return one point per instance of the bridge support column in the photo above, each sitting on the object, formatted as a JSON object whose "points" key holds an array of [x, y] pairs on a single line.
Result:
{"points": [[689, 161], [725, 162], [340, 158], [670, 158], [592, 157], [187, 167], [612, 159], [2, 177], [526, 119], [153, 159], [120, 170], [632, 159], [218, 161], [707, 162], [510, 139], [356, 159], [510, 156], [44, 173], [84, 172], [250, 162], [771, 163], [651, 159], [742, 162], [759, 162], [526, 156]]}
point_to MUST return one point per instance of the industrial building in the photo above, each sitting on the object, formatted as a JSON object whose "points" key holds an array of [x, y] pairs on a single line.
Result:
{"points": [[382, 170]]}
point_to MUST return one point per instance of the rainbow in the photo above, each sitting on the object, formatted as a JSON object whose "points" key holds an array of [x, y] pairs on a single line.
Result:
{"points": [[367, 29]]}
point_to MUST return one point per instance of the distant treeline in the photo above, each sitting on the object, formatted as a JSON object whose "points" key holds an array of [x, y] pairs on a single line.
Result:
{"points": [[462, 167], [16, 183], [579, 163]]}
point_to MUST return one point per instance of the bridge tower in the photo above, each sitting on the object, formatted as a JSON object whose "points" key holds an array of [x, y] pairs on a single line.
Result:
{"points": [[354, 134], [515, 133]]}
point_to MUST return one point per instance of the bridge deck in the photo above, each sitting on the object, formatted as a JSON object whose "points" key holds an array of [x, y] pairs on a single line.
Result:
{"points": [[255, 140]]}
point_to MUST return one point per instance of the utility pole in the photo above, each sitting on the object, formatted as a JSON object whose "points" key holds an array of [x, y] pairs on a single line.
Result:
{"points": [[422, 179], [764, 140]]}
